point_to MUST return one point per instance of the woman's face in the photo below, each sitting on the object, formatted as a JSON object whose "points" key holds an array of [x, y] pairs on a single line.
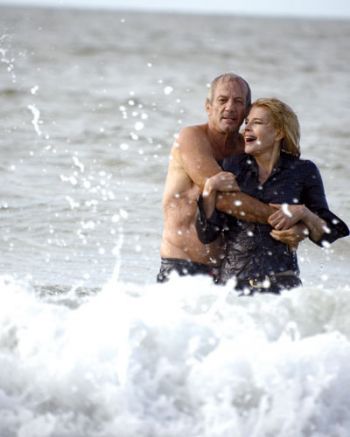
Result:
{"points": [[260, 136]]}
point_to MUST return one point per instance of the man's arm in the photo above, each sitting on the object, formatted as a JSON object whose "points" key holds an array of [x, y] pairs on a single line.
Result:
{"points": [[196, 155], [244, 207], [199, 163]]}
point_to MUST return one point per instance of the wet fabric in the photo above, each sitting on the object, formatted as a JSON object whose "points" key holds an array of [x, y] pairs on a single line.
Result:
{"points": [[251, 253], [182, 268], [273, 284]]}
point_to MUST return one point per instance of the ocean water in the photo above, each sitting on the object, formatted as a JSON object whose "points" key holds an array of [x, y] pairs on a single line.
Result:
{"points": [[90, 345]]}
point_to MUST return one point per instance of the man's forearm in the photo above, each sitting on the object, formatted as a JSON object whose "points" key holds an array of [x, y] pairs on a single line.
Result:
{"points": [[243, 207]]}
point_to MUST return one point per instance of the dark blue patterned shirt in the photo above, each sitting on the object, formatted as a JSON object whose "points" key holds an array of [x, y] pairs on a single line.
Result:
{"points": [[250, 250]]}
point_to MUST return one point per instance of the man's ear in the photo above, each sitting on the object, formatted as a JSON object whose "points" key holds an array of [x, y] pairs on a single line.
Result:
{"points": [[207, 105]]}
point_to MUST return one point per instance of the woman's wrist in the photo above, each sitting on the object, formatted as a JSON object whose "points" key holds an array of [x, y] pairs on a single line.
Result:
{"points": [[308, 217], [314, 223]]}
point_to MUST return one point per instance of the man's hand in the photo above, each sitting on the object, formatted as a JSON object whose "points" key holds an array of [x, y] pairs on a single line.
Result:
{"points": [[286, 216], [222, 181], [292, 236]]}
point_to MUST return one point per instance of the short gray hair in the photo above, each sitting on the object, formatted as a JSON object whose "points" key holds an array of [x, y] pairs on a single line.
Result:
{"points": [[234, 78]]}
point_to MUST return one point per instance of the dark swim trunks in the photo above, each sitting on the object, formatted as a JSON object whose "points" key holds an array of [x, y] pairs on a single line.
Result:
{"points": [[183, 268], [275, 284]]}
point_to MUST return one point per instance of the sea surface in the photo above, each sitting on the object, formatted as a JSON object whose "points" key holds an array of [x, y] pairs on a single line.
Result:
{"points": [[90, 345]]}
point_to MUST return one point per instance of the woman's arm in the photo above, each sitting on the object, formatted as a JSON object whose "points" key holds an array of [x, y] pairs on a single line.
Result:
{"points": [[292, 236], [324, 226], [314, 198], [300, 213]]}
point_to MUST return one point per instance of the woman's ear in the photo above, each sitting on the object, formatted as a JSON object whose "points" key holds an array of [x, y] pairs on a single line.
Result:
{"points": [[279, 134]]}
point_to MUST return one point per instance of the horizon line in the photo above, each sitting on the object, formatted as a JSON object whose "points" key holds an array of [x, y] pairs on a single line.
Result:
{"points": [[180, 11]]}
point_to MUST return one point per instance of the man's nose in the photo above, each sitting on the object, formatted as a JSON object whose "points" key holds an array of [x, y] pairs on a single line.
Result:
{"points": [[230, 105]]}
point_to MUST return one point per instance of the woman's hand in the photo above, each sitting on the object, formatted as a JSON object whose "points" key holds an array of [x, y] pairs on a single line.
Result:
{"points": [[293, 236], [223, 181], [286, 216]]}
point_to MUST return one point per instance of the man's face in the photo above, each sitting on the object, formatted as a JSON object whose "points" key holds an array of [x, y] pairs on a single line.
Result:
{"points": [[227, 109]]}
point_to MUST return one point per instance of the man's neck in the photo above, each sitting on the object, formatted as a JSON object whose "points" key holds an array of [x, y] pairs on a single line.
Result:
{"points": [[225, 145]]}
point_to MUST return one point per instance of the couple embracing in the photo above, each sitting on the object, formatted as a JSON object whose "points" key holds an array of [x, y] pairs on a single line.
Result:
{"points": [[237, 205]]}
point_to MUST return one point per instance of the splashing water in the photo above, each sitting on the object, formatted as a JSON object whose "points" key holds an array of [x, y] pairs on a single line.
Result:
{"points": [[286, 210], [36, 119], [5, 59], [184, 358]]}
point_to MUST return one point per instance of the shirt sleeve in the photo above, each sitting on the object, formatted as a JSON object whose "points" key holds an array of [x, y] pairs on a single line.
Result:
{"points": [[315, 199], [209, 229]]}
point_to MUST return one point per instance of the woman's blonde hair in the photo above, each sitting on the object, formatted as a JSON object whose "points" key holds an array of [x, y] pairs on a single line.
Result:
{"points": [[285, 120]]}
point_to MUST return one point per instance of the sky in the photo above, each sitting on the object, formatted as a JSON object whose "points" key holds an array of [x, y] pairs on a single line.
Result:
{"points": [[307, 8]]}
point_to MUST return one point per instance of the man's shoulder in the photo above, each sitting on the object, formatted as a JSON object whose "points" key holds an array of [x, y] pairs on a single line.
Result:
{"points": [[193, 140], [195, 128], [197, 132]]}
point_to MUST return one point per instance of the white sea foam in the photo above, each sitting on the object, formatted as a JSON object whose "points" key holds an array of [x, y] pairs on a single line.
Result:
{"points": [[185, 358]]}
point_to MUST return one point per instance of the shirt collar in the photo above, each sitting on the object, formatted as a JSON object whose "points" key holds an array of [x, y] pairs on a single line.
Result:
{"points": [[284, 161]]}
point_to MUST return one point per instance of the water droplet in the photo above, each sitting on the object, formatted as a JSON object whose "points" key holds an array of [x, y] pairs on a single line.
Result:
{"points": [[139, 125], [123, 213], [115, 218], [168, 90], [34, 89]]}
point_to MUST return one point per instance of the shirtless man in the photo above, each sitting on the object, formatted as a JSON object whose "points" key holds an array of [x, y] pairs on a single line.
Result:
{"points": [[195, 157]]}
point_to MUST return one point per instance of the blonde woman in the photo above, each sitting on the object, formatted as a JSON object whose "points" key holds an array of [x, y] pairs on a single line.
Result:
{"points": [[270, 170]]}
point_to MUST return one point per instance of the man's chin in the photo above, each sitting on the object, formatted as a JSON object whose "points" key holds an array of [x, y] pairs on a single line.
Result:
{"points": [[230, 128]]}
